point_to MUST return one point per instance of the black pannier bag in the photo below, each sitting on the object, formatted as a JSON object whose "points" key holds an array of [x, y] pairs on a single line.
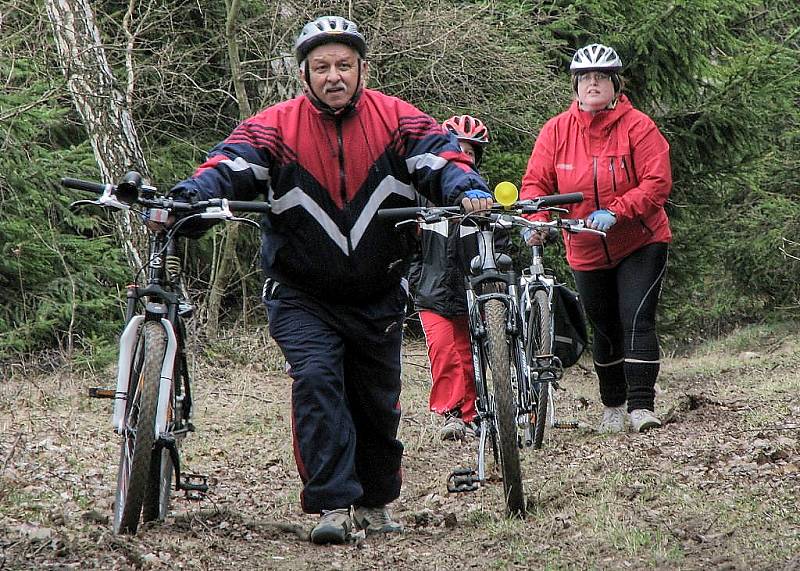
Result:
{"points": [[570, 337]]}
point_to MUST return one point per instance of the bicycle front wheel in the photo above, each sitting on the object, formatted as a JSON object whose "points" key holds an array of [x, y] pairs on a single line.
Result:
{"points": [[506, 405], [138, 435], [539, 341]]}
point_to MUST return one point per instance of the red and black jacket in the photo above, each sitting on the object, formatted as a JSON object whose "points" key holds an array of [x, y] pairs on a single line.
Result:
{"points": [[326, 176]]}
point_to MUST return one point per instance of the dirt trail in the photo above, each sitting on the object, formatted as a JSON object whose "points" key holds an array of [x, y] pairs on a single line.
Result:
{"points": [[718, 487]]}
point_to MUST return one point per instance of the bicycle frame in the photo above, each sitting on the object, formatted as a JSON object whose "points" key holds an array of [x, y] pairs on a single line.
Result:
{"points": [[160, 305], [493, 270]]}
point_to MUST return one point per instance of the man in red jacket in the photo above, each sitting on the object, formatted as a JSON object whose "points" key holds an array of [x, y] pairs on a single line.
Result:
{"points": [[327, 161], [617, 157]]}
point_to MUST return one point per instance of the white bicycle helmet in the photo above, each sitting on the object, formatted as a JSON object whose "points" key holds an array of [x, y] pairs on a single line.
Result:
{"points": [[325, 30], [595, 57]]}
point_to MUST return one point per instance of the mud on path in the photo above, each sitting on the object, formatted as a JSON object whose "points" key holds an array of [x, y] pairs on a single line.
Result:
{"points": [[718, 487]]}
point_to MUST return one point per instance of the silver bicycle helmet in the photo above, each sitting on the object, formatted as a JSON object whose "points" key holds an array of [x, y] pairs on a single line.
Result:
{"points": [[595, 57], [325, 30]]}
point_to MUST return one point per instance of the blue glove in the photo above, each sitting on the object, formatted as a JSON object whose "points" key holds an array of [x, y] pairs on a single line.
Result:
{"points": [[601, 220], [472, 194], [475, 193]]}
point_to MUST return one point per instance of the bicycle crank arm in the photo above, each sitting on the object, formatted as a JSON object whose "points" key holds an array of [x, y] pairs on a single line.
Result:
{"points": [[102, 393]]}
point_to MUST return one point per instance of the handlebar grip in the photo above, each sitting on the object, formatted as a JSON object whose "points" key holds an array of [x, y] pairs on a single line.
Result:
{"points": [[399, 213], [554, 199], [85, 185], [247, 206]]}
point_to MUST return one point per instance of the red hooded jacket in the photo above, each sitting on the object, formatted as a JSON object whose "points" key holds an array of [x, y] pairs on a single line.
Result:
{"points": [[619, 160]]}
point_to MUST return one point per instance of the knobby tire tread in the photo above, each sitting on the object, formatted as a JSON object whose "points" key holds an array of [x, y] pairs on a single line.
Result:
{"points": [[506, 405], [142, 403], [162, 470], [540, 342]]}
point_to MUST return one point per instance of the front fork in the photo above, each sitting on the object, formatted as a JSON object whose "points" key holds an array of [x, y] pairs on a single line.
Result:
{"points": [[475, 305], [127, 347]]}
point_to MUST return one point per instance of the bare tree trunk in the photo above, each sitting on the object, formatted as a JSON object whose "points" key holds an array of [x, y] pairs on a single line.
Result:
{"points": [[102, 107], [226, 259]]}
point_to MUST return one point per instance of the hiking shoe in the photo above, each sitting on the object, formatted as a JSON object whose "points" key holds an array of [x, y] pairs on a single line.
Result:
{"points": [[453, 428], [469, 431], [375, 520], [613, 420], [643, 419], [333, 527]]}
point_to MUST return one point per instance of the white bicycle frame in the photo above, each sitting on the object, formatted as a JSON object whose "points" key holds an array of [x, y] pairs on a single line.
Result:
{"points": [[527, 302], [127, 345]]}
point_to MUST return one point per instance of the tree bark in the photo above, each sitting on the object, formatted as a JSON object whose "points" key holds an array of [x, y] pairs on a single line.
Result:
{"points": [[100, 104], [230, 233]]}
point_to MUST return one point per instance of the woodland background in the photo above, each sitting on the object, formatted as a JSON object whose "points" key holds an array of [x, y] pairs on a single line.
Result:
{"points": [[91, 89]]}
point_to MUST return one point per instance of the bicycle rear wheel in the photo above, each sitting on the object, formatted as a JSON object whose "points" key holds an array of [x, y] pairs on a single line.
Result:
{"points": [[506, 405], [138, 433], [539, 341]]}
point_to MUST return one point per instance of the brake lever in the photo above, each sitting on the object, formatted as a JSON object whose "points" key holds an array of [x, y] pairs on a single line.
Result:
{"points": [[73, 206], [246, 221]]}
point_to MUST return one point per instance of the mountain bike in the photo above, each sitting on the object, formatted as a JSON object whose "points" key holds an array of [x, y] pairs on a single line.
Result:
{"points": [[153, 397], [538, 287], [504, 391]]}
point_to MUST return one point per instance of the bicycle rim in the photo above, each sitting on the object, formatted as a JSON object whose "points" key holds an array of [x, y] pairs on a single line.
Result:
{"points": [[506, 406], [138, 433]]}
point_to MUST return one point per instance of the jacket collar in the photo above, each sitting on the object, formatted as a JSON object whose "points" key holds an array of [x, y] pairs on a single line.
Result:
{"points": [[602, 118]]}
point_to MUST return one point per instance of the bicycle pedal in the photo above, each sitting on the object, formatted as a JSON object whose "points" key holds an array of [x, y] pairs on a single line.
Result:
{"points": [[102, 393], [463, 480], [194, 486], [566, 424]]}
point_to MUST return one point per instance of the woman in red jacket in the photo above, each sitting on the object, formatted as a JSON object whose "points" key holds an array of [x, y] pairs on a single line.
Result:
{"points": [[618, 158]]}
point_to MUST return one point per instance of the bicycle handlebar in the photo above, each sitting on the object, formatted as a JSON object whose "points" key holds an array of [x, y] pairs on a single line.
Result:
{"points": [[410, 212], [555, 199], [109, 199], [496, 214]]}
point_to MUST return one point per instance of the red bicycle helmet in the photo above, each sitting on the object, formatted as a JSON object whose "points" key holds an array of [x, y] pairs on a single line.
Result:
{"points": [[467, 128]]}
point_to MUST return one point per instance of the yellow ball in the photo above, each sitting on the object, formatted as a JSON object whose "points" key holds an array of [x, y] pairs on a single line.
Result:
{"points": [[506, 193]]}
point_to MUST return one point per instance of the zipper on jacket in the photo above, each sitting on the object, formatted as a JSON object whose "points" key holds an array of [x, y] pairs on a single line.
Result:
{"points": [[342, 178], [597, 205], [626, 169], [613, 176], [594, 183]]}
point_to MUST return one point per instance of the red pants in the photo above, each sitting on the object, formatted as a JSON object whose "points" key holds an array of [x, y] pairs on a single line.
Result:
{"points": [[451, 364]]}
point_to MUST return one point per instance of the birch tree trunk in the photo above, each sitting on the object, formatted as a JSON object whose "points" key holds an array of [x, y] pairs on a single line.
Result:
{"points": [[102, 107]]}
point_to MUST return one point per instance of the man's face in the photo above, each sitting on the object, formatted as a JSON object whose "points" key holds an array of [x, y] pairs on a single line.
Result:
{"points": [[333, 73]]}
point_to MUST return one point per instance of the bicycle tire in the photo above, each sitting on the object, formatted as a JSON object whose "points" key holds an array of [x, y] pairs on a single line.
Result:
{"points": [[506, 405], [136, 451], [539, 341], [159, 487]]}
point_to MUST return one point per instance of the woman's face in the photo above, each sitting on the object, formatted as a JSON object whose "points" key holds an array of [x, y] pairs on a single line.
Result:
{"points": [[595, 90]]}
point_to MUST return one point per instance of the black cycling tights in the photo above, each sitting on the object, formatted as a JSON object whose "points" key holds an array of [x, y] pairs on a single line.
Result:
{"points": [[621, 306]]}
